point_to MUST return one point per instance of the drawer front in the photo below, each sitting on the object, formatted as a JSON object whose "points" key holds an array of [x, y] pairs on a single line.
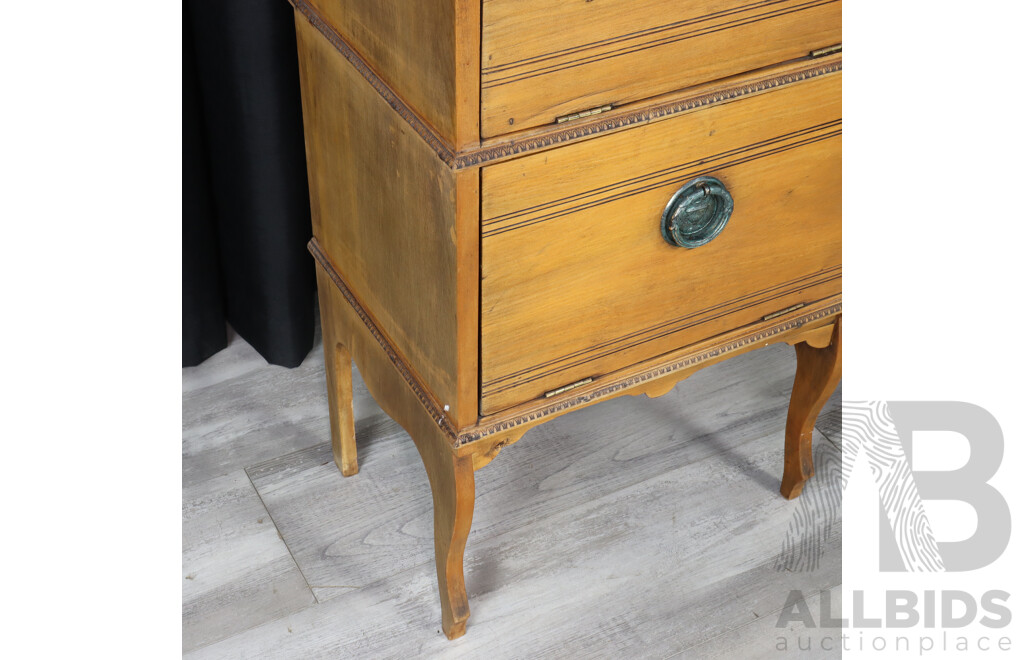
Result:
{"points": [[577, 279], [542, 59]]}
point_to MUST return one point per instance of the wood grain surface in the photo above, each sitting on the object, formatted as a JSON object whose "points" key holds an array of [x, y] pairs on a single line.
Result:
{"points": [[547, 58], [427, 51], [818, 372], [577, 279], [236, 575], [384, 210], [652, 377]]}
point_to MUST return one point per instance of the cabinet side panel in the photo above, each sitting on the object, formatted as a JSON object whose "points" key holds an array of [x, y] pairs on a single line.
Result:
{"points": [[411, 46], [383, 211]]}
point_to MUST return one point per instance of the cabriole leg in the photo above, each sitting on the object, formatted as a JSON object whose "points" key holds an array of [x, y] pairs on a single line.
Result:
{"points": [[453, 488], [451, 475], [818, 371]]}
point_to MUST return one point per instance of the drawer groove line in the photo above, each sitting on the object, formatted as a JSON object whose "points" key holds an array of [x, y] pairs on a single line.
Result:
{"points": [[630, 35], [668, 328], [705, 168], [628, 50], [500, 422], [507, 148], [644, 177], [654, 327], [661, 335]]}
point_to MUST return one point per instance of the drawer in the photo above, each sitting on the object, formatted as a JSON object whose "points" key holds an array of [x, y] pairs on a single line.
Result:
{"points": [[577, 280], [542, 59]]}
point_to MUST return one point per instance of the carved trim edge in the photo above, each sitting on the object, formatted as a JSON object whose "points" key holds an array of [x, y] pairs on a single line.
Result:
{"points": [[425, 399], [515, 147], [424, 130], [476, 433], [620, 385], [641, 115]]}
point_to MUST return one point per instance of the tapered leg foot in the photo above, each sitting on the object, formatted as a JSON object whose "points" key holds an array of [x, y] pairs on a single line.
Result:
{"points": [[452, 485], [338, 365], [818, 371]]}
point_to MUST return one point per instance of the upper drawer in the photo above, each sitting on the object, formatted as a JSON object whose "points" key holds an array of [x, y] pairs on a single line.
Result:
{"points": [[543, 59], [578, 280]]}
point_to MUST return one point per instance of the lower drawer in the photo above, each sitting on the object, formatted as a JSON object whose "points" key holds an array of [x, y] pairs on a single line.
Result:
{"points": [[577, 278]]}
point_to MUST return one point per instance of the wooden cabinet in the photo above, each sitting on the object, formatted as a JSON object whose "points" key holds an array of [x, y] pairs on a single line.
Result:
{"points": [[525, 207]]}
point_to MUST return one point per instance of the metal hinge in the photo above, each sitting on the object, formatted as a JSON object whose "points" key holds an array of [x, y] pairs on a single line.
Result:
{"points": [[830, 50], [566, 388], [769, 317], [581, 115]]}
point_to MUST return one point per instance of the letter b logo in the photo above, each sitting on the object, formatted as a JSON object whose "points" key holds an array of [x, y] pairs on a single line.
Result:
{"points": [[967, 484]]}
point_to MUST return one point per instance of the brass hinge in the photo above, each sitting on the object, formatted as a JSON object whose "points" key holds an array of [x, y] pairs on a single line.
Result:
{"points": [[773, 315], [830, 50], [581, 115], [566, 388]]}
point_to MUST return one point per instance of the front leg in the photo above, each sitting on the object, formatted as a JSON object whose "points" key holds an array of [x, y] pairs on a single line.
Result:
{"points": [[453, 488], [818, 371]]}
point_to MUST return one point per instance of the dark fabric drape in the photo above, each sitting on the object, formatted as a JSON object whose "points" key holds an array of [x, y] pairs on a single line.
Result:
{"points": [[245, 202]]}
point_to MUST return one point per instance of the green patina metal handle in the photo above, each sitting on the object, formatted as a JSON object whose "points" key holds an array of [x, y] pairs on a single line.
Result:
{"points": [[696, 213]]}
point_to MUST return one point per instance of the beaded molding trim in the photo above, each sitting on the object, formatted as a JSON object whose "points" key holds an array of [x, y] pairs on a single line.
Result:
{"points": [[425, 399], [516, 146], [638, 116], [425, 131], [652, 374], [558, 406]]}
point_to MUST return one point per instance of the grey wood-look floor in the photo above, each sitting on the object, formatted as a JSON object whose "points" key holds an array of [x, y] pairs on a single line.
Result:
{"points": [[652, 527]]}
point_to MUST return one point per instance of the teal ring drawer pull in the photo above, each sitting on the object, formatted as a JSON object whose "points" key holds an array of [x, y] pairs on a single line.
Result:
{"points": [[696, 213]]}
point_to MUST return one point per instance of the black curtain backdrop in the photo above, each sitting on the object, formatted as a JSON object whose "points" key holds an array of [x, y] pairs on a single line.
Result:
{"points": [[245, 201]]}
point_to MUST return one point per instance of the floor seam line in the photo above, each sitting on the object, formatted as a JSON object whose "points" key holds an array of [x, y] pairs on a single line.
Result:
{"points": [[281, 536], [826, 436]]}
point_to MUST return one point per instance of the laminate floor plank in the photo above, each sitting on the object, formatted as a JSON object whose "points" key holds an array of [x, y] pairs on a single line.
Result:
{"points": [[763, 639], [258, 415], [236, 570], [637, 525], [651, 569], [236, 410], [830, 421], [235, 360]]}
